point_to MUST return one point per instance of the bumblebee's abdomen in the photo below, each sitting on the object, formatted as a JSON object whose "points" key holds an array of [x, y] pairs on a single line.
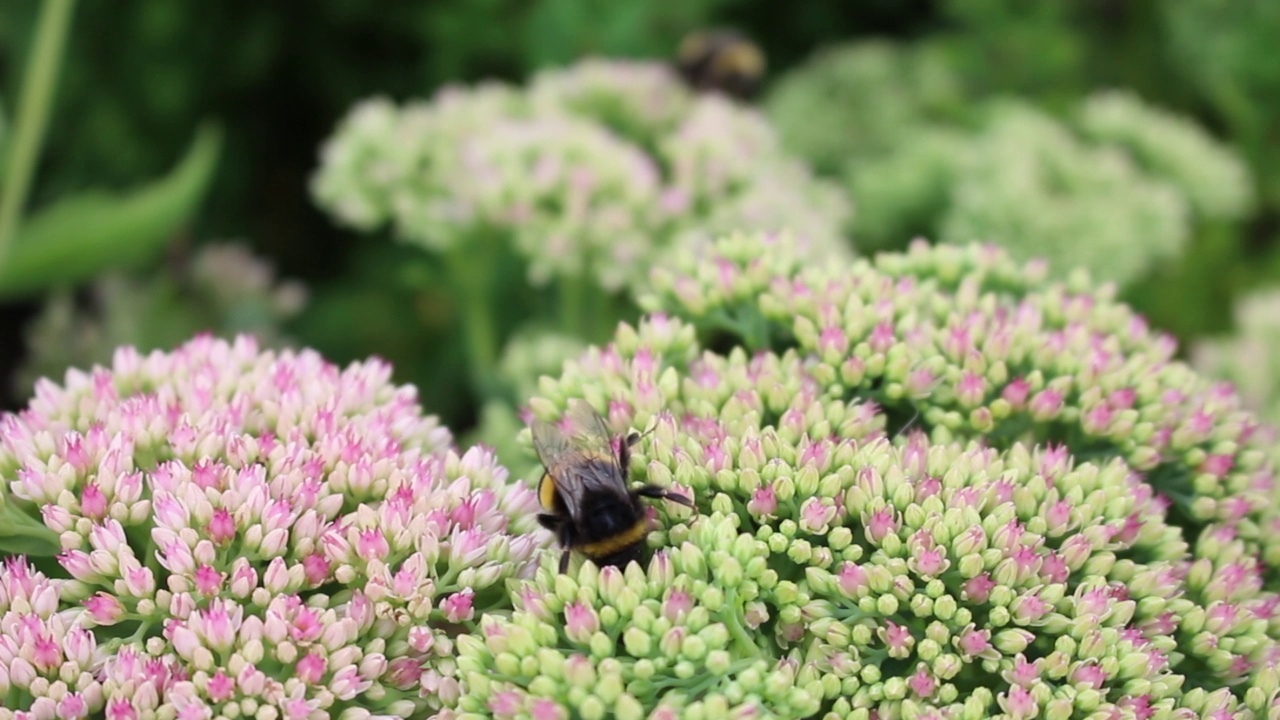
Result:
{"points": [[609, 525], [615, 544]]}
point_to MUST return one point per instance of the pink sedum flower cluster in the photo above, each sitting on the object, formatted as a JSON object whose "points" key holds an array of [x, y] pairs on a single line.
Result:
{"points": [[243, 534]]}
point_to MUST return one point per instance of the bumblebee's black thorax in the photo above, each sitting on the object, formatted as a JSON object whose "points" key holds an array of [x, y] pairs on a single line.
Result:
{"points": [[606, 515]]}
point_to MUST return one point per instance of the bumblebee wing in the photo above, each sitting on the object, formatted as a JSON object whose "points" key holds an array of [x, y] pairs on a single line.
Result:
{"points": [[580, 458], [553, 447], [588, 478], [588, 431]]}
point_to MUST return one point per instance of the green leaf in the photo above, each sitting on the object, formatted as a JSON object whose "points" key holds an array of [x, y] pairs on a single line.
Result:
{"points": [[81, 236], [30, 546]]}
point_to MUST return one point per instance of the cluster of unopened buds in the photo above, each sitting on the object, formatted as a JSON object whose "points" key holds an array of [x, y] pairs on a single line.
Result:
{"points": [[243, 534]]}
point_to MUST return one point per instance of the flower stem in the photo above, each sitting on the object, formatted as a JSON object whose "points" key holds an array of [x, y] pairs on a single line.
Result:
{"points": [[742, 640], [38, 83], [39, 539], [471, 267], [574, 313]]}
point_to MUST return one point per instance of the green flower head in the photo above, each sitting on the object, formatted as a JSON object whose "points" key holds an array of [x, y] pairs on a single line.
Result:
{"points": [[937, 484]]}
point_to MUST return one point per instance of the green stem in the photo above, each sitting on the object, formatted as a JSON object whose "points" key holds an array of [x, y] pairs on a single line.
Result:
{"points": [[33, 114], [15, 523], [471, 268], [742, 640], [574, 313]]}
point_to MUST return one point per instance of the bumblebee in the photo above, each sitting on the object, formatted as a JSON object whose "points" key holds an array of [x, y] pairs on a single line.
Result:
{"points": [[584, 491], [723, 60]]}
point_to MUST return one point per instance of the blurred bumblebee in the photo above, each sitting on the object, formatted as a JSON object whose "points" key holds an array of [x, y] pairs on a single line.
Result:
{"points": [[584, 491], [723, 60]]}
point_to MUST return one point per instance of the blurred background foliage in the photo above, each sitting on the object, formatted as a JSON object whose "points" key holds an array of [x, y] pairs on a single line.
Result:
{"points": [[1136, 137]]}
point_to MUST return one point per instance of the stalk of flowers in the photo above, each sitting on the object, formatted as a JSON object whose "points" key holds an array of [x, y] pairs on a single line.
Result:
{"points": [[588, 176], [983, 494], [247, 534]]}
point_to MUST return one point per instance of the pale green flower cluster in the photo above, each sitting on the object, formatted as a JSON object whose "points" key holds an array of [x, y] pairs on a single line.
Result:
{"points": [[861, 99], [1118, 190], [593, 171], [1031, 186], [934, 485], [1251, 357], [1208, 173]]}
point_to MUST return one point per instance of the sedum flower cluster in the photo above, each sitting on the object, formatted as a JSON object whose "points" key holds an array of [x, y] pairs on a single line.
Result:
{"points": [[220, 532], [862, 99], [592, 171], [1251, 357], [1031, 186], [1212, 178], [1117, 189], [934, 485]]}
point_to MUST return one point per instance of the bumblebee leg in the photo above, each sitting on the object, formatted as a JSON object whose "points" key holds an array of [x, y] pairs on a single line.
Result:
{"points": [[654, 491], [624, 450], [549, 521], [566, 542]]}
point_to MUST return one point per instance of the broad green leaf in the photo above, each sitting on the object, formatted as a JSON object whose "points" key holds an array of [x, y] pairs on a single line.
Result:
{"points": [[81, 236]]}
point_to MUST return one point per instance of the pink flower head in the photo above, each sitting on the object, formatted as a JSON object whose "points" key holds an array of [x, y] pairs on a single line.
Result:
{"points": [[880, 524], [222, 528], [372, 544], [208, 580], [1019, 703], [677, 605], [1091, 676], [1046, 405], [457, 607], [104, 609], [1016, 392], [1218, 465], [975, 643], [311, 668], [897, 639], [922, 683], [763, 502], [852, 579], [221, 687], [929, 562], [581, 621], [816, 515], [92, 502]]}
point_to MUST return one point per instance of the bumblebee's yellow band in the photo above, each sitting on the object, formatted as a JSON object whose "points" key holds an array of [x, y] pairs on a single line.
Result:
{"points": [[547, 493], [623, 540]]}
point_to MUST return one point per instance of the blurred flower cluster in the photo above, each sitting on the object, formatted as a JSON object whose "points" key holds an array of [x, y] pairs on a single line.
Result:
{"points": [[937, 485], [1117, 188], [221, 288], [225, 532], [591, 171], [545, 206], [1251, 357]]}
